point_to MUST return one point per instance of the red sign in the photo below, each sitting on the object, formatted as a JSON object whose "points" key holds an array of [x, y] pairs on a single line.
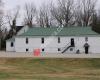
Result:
{"points": [[37, 52]]}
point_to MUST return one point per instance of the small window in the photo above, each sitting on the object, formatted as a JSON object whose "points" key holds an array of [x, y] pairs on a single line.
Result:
{"points": [[42, 49], [12, 44], [26, 40], [86, 39], [42, 39], [27, 50], [59, 49], [58, 39]]}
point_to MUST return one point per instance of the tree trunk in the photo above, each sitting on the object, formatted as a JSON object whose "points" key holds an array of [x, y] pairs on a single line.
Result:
{"points": [[0, 44]]}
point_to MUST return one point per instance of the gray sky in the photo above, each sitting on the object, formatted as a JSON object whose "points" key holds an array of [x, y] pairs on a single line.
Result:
{"points": [[11, 4]]}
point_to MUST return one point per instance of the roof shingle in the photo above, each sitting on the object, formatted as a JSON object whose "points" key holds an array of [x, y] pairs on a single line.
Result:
{"points": [[69, 31]]}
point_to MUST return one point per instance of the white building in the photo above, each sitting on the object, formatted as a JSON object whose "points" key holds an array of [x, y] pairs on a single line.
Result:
{"points": [[56, 40]]}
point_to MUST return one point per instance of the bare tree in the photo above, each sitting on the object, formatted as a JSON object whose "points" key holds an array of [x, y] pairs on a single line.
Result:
{"points": [[63, 13], [55, 11], [44, 17], [12, 19], [1, 20], [30, 14], [40, 19], [84, 12], [96, 22]]}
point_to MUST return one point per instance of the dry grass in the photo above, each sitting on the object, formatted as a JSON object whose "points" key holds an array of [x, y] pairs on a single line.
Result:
{"points": [[49, 69]]}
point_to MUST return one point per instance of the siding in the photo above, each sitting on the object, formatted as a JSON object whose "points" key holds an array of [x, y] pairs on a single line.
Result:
{"points": [[8, 46], [52, 44]]}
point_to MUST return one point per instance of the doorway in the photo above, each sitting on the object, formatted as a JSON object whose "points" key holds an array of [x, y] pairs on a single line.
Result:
{"points": [[86, 46], [86, 50], [72, 42]]}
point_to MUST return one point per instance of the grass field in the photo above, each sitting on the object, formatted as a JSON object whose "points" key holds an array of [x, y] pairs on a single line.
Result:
{"points": [[49, 69]]}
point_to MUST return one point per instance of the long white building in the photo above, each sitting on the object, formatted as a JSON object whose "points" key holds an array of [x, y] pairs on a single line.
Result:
{"points": [[56, 40]]}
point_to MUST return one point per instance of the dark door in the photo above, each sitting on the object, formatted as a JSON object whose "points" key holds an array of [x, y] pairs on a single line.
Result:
{"points": [[86, 46], [72, 42], [86, 50]]}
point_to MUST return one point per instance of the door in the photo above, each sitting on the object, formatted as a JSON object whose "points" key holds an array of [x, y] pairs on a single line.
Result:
{"points": [[86, 46], [72, 42], [86, 50]]}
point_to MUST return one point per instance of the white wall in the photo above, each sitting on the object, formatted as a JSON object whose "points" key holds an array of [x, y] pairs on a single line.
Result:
{"points": [[53, 45], [8, 46]]}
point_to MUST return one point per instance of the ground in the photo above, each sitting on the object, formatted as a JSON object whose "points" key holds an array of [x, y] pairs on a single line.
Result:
{"points": [[49, 69], [48, 55]]}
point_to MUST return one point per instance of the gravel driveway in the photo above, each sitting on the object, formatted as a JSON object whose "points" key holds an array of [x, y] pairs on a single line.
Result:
{"points": [[44, 55]]}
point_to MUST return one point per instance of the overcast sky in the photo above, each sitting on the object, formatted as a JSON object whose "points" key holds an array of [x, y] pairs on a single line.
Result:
{"points": [[11, 4]]}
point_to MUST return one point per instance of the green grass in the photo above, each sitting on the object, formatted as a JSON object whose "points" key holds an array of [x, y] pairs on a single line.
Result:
{"points": [[49, 69]]}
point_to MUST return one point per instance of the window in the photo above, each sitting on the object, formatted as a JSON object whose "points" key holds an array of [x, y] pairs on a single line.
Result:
{"points": [[27, 50], [58, 39], [42, 49], [59, 49], [26, 40], [12, 44], [86, 39], [42, 40]]}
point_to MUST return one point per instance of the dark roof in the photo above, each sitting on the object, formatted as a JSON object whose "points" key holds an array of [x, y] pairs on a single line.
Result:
{"points": [[18, 28], [69, 31]]}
